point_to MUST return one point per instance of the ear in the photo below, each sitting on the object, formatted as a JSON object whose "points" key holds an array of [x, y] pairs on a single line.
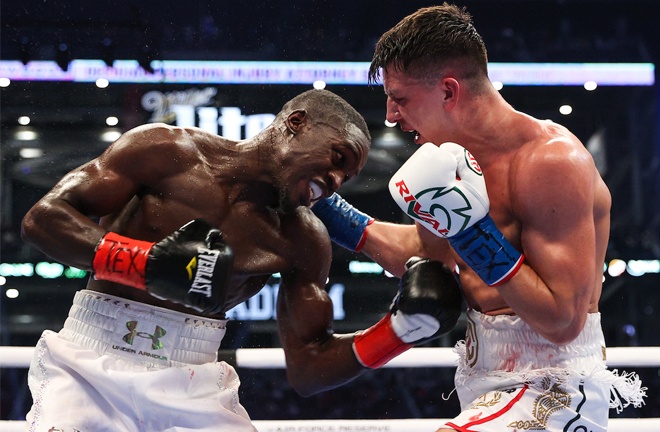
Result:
{"points": [[450, 88], [295, 121]]}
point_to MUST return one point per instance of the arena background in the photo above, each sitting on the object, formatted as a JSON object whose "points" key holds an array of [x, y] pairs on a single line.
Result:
{"points": [[619, 124]]}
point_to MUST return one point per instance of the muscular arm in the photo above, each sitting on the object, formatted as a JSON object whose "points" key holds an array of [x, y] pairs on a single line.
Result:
{"points": [[317, 359], [390, 245], [555, 199], [60, 224]]}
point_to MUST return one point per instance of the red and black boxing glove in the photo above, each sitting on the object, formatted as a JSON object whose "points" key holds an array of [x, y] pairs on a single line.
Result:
{"points": [[191, 266], [427, 306]]}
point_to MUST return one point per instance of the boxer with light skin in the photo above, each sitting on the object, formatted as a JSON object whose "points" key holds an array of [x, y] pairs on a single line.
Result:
{"points": [[191, 224], [518, 206]]}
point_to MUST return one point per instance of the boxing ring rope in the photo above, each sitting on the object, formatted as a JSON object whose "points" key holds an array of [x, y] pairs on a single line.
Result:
{"points": [[273, 358]]}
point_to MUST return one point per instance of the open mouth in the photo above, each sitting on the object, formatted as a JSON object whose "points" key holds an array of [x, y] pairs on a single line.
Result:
{"points": [[315, 192]]}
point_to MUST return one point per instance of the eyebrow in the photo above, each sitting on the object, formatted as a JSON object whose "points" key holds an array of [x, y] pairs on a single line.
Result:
{"points": [[391, 92]]}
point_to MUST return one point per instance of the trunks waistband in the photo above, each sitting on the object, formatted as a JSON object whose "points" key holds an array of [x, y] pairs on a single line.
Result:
{"points": [[508, 343], [141, 333], [504, 351]]}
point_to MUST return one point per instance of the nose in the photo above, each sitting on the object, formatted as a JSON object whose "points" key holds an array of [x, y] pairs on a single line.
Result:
{"points": [[392, 114], [336, 179]]}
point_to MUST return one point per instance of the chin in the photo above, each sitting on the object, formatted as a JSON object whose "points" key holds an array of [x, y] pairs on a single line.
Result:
{"points": [[285, 204]]}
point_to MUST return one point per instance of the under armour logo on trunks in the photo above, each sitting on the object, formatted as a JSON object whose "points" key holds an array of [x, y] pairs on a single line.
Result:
{"points": [[155, 336]]}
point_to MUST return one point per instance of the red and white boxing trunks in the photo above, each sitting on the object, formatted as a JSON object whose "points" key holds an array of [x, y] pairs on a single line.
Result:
{"points": [[509, 378], [119, 365]]}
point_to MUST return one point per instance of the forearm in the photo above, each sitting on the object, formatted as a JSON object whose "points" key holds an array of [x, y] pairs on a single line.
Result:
{"points": [[555, 317], [62, 233], [320, 366], [427, 305], [390, 245]]}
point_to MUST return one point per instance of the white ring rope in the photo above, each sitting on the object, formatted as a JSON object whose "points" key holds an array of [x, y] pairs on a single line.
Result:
{"points": [[273, 358], [401, 425]]}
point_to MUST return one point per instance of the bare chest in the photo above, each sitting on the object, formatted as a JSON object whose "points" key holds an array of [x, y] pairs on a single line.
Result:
{"points": [[499, 185], [253, 231]]}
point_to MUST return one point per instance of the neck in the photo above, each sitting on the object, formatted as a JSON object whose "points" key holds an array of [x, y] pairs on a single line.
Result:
{"points": [[487, 123]]}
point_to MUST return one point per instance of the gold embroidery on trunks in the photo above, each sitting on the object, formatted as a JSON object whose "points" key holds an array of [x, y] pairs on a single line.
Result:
{"points": [[551, 401], [485, 401], [471, 343], [526, 425]]}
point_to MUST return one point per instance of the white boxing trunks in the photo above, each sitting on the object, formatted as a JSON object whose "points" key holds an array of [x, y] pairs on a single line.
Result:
{"points": [[119, 365], [509, 378]]}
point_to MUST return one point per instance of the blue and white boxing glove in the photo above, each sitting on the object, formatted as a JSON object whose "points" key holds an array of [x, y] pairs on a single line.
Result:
{"points": [[443, 188], [346, 225]]}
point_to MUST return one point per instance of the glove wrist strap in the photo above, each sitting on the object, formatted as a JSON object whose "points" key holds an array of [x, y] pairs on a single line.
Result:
{"points": [[346, 225], [122, 260], [485, 249], [363, 238], [378, 344]]}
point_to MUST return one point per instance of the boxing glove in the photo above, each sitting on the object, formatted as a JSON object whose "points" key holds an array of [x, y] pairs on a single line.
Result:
{"points": [[346, 225], [427, 306], [444, 189], [191, 266]]}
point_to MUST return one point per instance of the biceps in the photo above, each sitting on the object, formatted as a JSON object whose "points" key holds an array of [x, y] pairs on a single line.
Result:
{"points": [[95, 191], [562, 253], [304, 315]]}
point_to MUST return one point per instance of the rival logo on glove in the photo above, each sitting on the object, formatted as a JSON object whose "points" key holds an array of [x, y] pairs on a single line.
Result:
{"points": [[203, 265], [472, 163], [424, 206]]}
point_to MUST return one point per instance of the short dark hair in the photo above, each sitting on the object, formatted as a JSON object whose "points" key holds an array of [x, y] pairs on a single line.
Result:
{"points": [[326, 104], [426, 41]]}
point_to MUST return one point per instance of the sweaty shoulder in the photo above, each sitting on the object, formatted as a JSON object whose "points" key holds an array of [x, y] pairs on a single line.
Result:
{"points": [[160, 136], [552, 148], [555, 160], [159, 147]]}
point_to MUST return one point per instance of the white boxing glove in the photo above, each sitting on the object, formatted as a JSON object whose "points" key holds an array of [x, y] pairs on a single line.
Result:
{"points": [[441, 187], [444, 189]]}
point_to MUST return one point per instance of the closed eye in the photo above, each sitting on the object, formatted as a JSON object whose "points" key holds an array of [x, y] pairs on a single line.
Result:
{"points": [[338, 158], [396, 100]]}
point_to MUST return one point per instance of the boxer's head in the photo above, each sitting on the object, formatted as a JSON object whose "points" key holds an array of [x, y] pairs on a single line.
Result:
{"points": [[320, 141], [428, 43]]}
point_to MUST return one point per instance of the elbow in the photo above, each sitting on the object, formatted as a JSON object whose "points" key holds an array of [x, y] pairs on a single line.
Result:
{"points": [[567, 333], [298, 376], [303, 386], [563, 337], [304, 391], [33, 223], [27, 227]]}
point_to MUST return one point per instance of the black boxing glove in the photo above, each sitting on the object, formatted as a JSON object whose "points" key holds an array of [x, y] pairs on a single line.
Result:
{"points": [[191, 266], [427, 306]]}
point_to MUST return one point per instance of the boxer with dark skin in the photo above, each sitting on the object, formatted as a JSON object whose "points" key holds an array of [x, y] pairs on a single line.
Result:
{"points": [[156, 178]]}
